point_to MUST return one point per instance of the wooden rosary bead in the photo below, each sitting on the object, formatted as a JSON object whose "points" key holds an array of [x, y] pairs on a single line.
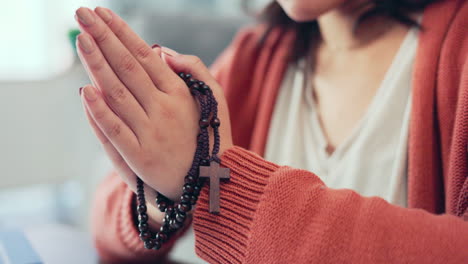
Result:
{"points": [[193, 199], [204, 162], [167, 218], [184, 76], [196, 190], [157, 245], [215, 123], [143, 218], [190, 179], [149, 244], [204, 123], [162, 206], [143, 227], [165, 221], [185, 198], [184, 207], [164, 229], [145, 236], [161, 237], [175, 225], [188, 188], [195, 86], [169, 209], [191, 82], [204, 89], [180, 217], [141, 208]]}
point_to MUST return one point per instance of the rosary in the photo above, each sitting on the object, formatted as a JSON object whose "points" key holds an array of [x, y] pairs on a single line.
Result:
{"points": [[203, 166]]}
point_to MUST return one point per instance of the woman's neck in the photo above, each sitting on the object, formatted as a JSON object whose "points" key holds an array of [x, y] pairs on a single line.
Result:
{"points": [[338, 28]]}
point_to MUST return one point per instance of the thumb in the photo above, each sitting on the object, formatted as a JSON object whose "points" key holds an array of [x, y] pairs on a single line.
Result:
{"points": [[187, 64]]}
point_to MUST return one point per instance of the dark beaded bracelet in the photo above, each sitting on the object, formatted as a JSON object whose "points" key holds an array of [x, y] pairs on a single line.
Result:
{"points": [[176, 214]]}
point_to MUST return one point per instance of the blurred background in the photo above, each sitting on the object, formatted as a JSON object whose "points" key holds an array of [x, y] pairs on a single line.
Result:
{"points": [[50, 162]]}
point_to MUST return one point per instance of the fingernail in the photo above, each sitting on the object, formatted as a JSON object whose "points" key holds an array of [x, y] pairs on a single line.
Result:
{"points": [[86, 43], [81, 89], [90, 93], [155, 46], [85, 16], [104, 14], [169, 51]]}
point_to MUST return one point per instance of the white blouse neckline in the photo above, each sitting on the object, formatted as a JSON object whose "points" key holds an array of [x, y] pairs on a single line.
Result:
{"points": [[373, 159]]}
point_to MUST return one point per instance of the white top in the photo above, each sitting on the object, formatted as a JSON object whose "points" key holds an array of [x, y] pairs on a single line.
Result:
{"points": [[373, 159]]}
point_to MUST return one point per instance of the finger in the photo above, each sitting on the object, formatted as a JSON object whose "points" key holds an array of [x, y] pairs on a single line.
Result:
{"points": [[187, 64], [113, 128], [157, 49], [123, 63], [161, 75], [119, 163], [118, 97]]}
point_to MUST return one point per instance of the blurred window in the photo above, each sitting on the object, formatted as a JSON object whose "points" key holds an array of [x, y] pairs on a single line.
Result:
{"points": [[189, 7], [34, 42]]}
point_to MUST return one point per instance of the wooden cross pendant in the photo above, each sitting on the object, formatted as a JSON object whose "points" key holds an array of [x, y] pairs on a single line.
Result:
{"points": [[215, 173]]}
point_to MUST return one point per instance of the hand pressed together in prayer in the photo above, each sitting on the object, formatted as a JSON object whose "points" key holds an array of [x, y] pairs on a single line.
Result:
{"points": [[141, 111]]}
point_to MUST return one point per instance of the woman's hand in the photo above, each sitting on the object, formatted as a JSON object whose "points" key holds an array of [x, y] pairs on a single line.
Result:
{"points": [[139, 108]]}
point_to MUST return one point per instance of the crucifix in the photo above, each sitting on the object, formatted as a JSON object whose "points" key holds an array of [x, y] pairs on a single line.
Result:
{"points": [[215, 173]]}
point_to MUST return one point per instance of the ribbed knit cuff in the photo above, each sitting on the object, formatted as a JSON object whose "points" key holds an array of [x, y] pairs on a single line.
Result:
{"points": [[223, 238]]}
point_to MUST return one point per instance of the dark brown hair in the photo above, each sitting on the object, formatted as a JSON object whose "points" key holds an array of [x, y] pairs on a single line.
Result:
{"points": [[399, 10]]}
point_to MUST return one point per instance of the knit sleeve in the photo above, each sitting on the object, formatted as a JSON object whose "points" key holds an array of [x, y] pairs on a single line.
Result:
{"points": [[273, 214], [115, 234]]}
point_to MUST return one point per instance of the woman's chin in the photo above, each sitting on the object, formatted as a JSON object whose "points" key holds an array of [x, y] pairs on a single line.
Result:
{"points": [[308, 10], [300, 14], [301, 17]]}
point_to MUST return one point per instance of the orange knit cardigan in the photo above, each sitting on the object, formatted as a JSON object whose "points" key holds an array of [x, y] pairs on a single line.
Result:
{"points": [[273, 214]]}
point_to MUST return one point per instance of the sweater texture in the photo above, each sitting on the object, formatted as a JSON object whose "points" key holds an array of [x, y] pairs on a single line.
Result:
{"points": [[274, 214]]}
